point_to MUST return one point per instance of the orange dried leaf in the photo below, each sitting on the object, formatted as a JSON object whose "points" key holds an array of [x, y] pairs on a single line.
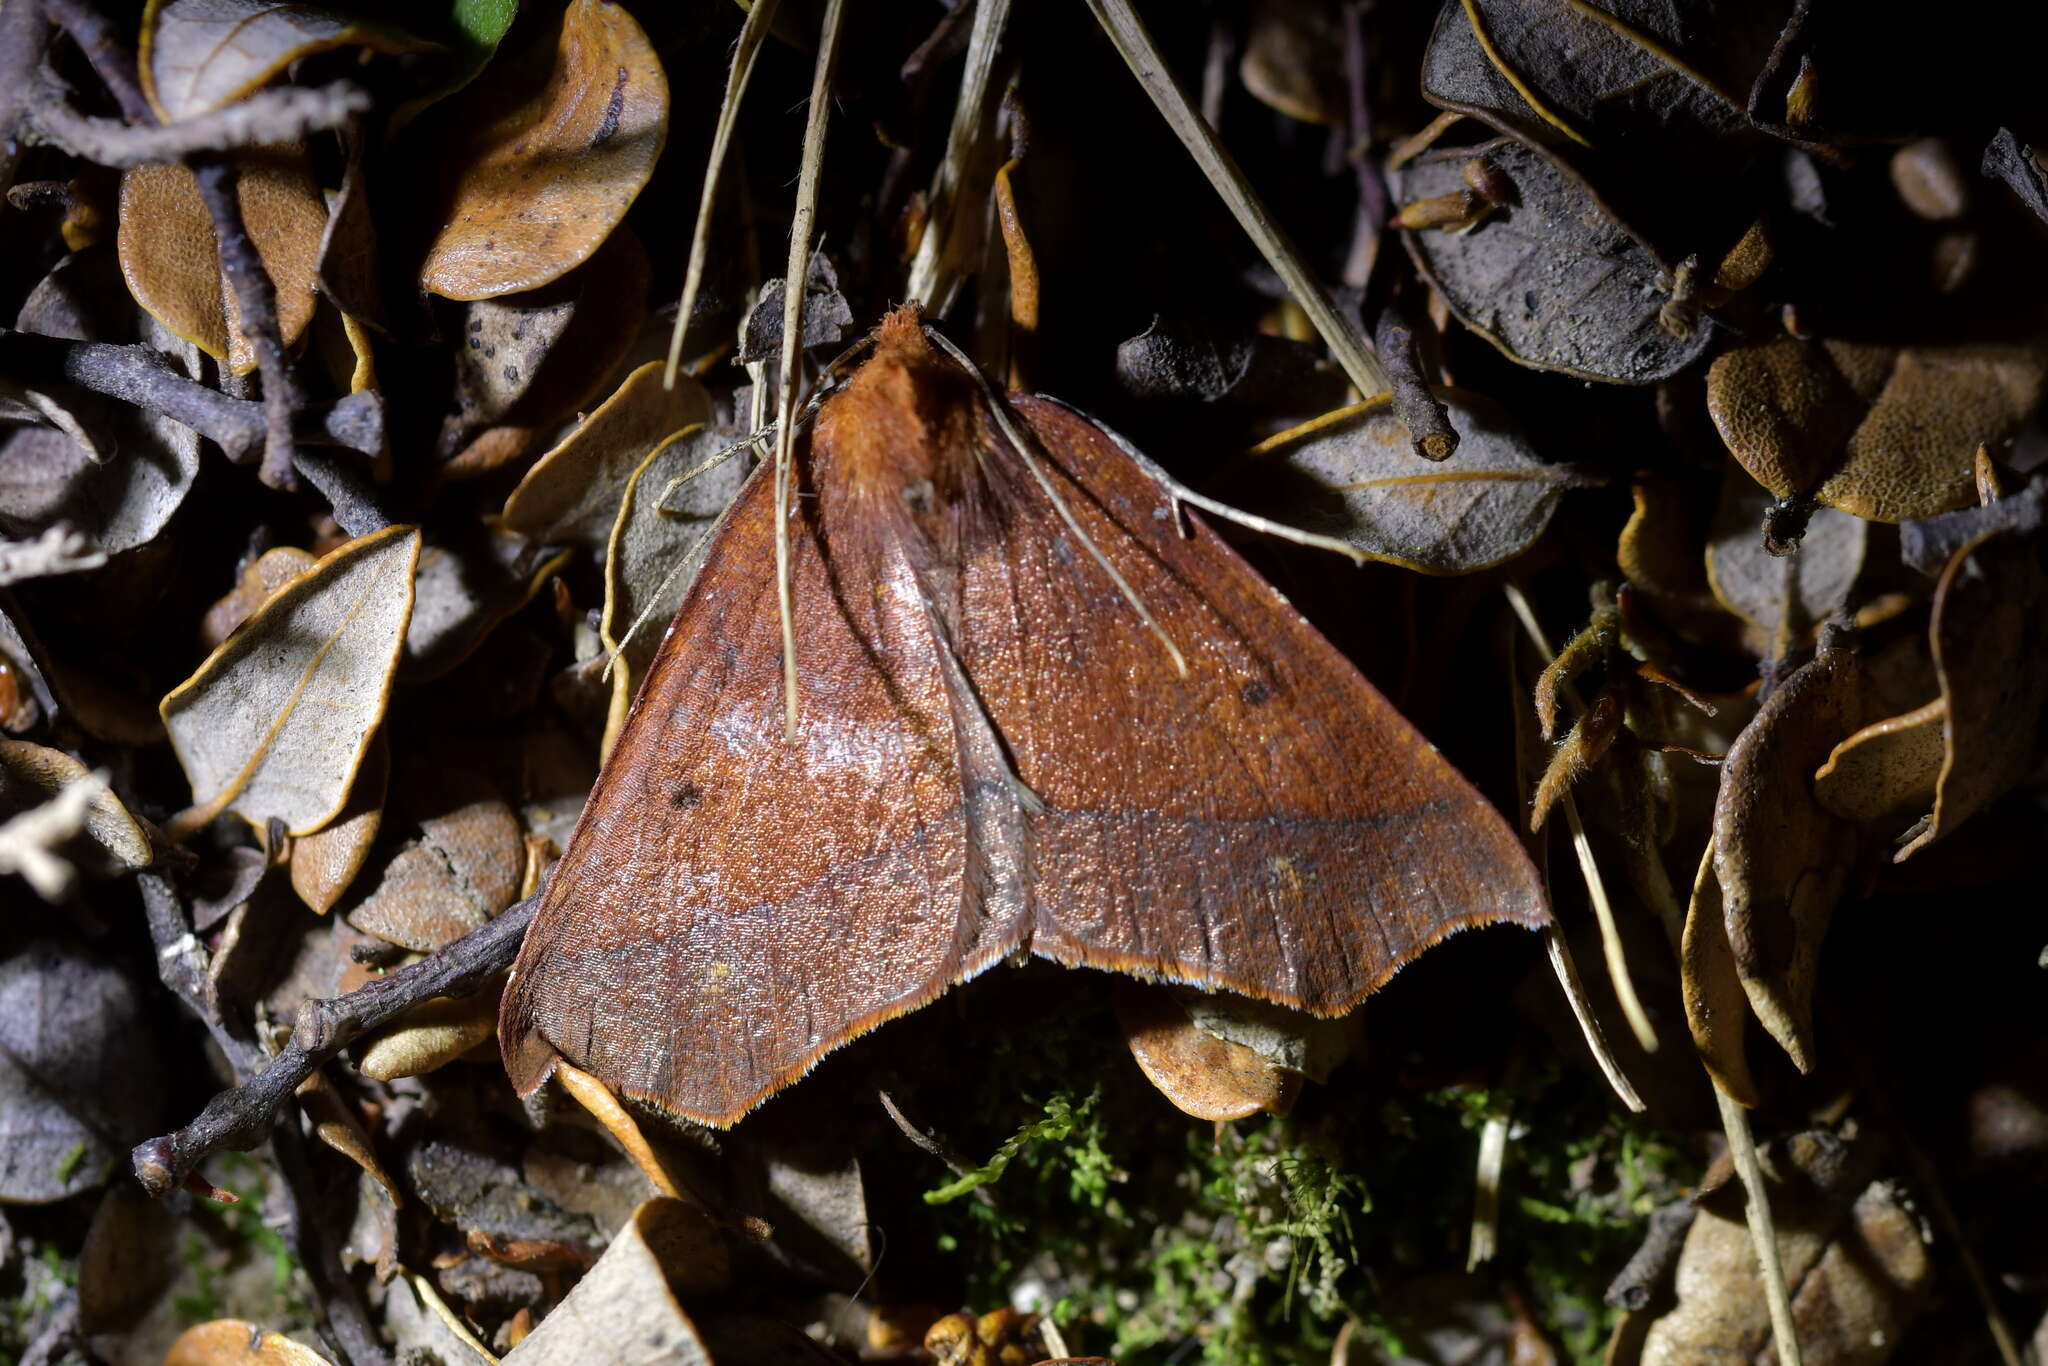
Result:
{"points": [[1888, 769], [1207, 1077], [325, 862], [267, 573], [1716, 1009], [171, 258], [556, 145], [1886, 433], [231, 1342]]}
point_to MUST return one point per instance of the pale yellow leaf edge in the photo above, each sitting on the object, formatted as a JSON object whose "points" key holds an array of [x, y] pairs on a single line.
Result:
{"points": [[197, 817]]}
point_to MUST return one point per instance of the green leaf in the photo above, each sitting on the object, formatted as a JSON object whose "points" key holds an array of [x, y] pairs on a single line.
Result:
{"points": [[484, 22]]}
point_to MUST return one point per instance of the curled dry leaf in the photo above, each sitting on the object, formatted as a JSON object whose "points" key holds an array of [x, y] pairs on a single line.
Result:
{"points": [[1813, 581], [265, 574], [1884, 432], [429, 1036], [1716, 1009], [1353, 474], [1886, 771], [463, 870], [1551, 277], [529, 361], [1783, 859], [650, 560], [171, 258], [197, 55], [338, 1124], [231, 1342], [47, 477], [1294, 60], [1853, 1253], [465, 589], [1990, 634], [1630, 81], [325, 862], [556, 144], [571, 495], [81, 1077], [44, 772], [630, 1299], [277, 720], [1203, 1075]]}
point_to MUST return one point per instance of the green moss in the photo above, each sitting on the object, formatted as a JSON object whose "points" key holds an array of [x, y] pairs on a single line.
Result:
{"points": [[1157, 1237]]}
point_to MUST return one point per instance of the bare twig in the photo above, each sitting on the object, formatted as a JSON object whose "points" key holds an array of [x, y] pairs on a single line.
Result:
{"points": [[241, 1118], [1633, 1288], [24, 36], [256, 301], [106, 47], [59, 550], [1415, 407], [279, 114], [141, 376], [28, 843]]}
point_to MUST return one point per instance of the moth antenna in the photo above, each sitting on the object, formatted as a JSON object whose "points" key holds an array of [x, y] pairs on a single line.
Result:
{"points": [[1025, 449], [702, 467], [793, 281], [611, 655]]}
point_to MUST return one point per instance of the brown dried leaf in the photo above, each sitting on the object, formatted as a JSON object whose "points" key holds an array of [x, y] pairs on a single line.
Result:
{"points": [[198, 55], [629, 1300], [171, 258], [430, 1035], [1887, 770], [277, 720], [1353, 474], [1990, 634], [231, 1342], [463, 869], [1757, 586], [1716, 1010], [1852, 1250], [1886, 433], [556, 144], [45, 772], [531, 360], [650, 558], [337, 1123], [1207, 1077], [267, 573], [325, 862], [1783, 859], [571, 496], [1551, 277]]}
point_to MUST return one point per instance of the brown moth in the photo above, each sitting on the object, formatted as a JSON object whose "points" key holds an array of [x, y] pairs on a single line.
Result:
{"points": [[995, 755]]}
